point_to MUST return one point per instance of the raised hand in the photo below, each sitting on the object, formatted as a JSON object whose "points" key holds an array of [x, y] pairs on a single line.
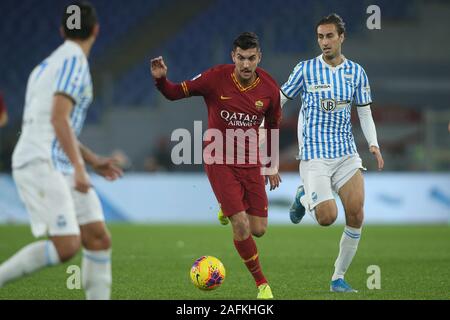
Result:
{"points": [[158, 68]]}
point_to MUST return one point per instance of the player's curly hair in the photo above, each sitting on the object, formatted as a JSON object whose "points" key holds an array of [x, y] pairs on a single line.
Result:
{"points": [[88, 20], [335, 19], [246, 40]]}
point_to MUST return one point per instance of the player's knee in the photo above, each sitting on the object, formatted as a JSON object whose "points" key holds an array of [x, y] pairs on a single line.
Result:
{"points": [[326, 213], [67, 248], [104, 242], [97, 241], [326, 220], [259, 231], [242, 231], [241, 226], [355, 218]]}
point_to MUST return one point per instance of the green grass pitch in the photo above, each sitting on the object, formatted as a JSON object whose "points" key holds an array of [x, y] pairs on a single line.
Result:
{"points": [[153, 262]]}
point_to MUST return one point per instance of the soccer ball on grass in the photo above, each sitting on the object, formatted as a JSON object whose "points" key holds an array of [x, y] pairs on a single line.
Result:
{"points": [[207, 273]]}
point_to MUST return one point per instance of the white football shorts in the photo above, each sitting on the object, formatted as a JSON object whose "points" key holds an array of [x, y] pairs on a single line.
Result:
{"points": [[323, 176], [54, 206]]}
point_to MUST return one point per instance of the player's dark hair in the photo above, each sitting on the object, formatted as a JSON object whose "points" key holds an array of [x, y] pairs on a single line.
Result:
{"points": [[88, 20], [246, 40], [333, 19]]}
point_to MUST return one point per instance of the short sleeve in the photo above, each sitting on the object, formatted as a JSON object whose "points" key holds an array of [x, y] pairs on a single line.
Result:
{"points": [[69, 76], [362, 92], [294, 85]]}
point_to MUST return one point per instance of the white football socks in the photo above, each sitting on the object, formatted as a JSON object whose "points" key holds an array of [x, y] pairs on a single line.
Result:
{"points": [[348, 247], [96, 274], [29, 259]]}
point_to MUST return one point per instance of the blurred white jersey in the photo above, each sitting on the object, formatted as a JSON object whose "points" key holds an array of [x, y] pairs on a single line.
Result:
{"points": [[65, 71]]}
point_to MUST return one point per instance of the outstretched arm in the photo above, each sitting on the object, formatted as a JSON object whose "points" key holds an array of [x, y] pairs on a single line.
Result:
{"points": [[201, 85], [370, 133]]}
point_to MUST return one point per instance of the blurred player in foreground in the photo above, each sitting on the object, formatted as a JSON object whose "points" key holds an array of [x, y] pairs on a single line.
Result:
{"points": [[329, 84], [238, 98], [49, 165]]}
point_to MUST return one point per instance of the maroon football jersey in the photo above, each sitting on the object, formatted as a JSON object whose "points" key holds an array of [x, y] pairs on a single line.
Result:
{"points": [[234, 111]]}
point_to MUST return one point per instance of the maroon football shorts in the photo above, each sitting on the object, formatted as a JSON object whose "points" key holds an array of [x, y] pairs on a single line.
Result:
{"points": [[238, 189]]}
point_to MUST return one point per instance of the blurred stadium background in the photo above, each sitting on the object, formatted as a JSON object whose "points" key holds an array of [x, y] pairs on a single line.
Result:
{"points": [[407, 61]]}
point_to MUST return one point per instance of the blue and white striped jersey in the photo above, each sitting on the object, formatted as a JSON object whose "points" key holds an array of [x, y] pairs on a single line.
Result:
{"points": [[65, 71], [327, 92]]}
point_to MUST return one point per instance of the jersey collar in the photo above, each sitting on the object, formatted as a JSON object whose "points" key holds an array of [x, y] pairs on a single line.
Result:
{"points": [[240, 87], [74, 45], [342, 64]]}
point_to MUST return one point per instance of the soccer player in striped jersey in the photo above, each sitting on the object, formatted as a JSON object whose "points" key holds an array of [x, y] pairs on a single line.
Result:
{"points": [[329, 85], [49, 165]]}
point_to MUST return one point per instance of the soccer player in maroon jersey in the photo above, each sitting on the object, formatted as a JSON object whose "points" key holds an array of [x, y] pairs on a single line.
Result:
{"points": [[238, 98]]}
